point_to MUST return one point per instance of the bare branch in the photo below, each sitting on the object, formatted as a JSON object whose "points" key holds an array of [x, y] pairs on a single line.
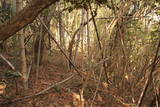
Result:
{"points": [[9, 63]]}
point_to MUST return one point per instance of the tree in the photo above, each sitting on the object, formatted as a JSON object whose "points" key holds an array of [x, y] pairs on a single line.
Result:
{"points": [[22, 49]]}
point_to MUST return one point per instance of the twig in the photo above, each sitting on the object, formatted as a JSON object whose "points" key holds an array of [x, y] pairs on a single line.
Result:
{"points": [[112, 17], [10, 65]]}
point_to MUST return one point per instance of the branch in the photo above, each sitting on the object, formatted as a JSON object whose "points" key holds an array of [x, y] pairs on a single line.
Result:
{"points": [[149, 79], [99, 42], [9, 63], [24, 17]]}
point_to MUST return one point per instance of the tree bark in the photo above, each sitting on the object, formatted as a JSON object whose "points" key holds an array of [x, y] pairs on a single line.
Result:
{"points": [[23, 18], [22, 49]]}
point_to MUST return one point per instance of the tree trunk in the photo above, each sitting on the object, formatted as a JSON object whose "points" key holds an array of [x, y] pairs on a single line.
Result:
{"points": [[23, 56], [88, 30], [61, 30], [78, 39]]}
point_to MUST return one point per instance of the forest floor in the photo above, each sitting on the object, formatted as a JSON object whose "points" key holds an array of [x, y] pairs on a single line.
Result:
{"points": [[65, 95]]}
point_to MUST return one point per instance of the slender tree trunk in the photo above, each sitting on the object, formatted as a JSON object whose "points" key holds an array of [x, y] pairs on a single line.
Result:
{"points": [[22, 47], [40, 52], [61, 30], [88, 30], [80, 34]]}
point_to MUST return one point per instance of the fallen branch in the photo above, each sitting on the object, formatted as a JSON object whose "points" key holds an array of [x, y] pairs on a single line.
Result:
{"points": [[39, 93]]}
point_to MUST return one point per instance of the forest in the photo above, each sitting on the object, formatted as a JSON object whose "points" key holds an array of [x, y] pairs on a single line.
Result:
{"points": [[79, 53]]}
